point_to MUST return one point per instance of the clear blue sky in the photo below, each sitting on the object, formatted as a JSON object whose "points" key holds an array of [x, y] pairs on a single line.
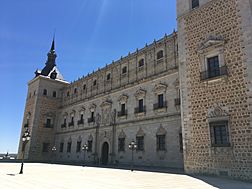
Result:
{"points": [[89, 34]]}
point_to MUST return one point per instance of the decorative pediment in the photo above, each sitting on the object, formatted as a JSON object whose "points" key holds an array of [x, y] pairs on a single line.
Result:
{"points": [[106, 104], [123, 98], [50, 114], [90, 138], [211, 41], [161, 131], [79, 139], [82, 110], [140, 133], [92, 107], [140, 93], [122, 134], [160, 88], [218, 111], [72, 113]]}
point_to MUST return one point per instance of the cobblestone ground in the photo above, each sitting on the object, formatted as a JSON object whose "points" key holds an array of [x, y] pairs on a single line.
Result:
{"points": [[49, 176]]}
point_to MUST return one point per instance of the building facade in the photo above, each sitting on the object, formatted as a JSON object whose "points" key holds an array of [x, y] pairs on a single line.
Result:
{"points": [[184, 99]]}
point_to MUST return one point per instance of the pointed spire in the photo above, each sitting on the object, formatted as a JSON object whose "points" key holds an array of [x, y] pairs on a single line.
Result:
{"points": [[53, 43]]}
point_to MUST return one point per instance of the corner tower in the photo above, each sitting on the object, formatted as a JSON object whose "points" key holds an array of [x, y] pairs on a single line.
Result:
{"points": [[43, 100], [215, 62]]}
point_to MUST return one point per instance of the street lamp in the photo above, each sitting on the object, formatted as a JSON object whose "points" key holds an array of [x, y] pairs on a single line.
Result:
{"points": [[132, 147], [85, 149], [53, 151], [25, 138]]}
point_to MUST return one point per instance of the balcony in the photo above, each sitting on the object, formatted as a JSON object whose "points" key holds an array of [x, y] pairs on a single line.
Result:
{"points": [[71, 124], [63, 125], [221, 71], [160, 105], [122, 113], [177, 101], [91, 120], [81, 122], [140, 110]]}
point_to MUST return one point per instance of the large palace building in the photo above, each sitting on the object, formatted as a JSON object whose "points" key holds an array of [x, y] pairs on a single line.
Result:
{"points": [[186, 100]]}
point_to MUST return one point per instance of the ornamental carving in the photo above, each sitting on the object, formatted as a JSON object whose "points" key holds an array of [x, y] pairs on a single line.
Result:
{"points": [[82, 110], [217, 111], [50, 114], [90, 138], [106, 104], [211, 41], [123, 99], [140, 94], [92, 107], [140, 133], [122, 134], [160, 88], [161, 131]]}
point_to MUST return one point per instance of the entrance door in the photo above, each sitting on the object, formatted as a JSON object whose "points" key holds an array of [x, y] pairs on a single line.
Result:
{"points": [[105, 151]]}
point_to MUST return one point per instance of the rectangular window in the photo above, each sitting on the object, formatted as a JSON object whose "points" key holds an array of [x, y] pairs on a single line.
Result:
{"points": [[54, 94], [140, 143], [45, 147], [124, 70], [78, 147], [121, 144], [61, 147], [123, 112], [140, 105], [195, 4], [69, 145], [48, 123], [161, 142], [90, 143], [219, 133], [161, 101], [213, 67]]}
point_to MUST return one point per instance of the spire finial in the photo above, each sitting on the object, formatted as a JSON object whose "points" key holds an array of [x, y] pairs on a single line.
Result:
{"points": [[53, 43]]}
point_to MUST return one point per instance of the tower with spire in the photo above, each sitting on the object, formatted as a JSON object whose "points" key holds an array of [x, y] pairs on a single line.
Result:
{"points": [[42, 103]]}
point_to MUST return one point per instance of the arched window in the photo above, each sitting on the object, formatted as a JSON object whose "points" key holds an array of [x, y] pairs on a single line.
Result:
{"points": [[75, 90], [94, 83], [54, 94], [124, 70], [84, 87], [141, 63], [45, 92], [160, 54], [68, 93], [108, 76]]}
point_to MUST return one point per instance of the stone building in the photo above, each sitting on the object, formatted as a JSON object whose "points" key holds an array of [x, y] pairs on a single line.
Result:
{"points": [[207, 64]]}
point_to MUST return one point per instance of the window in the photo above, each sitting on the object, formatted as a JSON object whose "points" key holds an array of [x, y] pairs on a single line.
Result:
{"points": [[161, 142], [54, 94], [160, 54], [72, 121], [75, 90], [78, 147], [219, 133], [180, 142], [81, 121], [121, 144], [124, 70], [45, 92], [84, 87], [160, 100], [45, 147], [61, 147], [140, 143], [123, 110], [140, 105], [141, 63], [68, 94], [108, 76], [195, 4], [48, 123], [94, 83], [90, 143], [69, 144], [213, 67], [92, 118]]}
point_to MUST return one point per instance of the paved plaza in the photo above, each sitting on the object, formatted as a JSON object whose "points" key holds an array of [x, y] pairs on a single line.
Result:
{"points": [[49, 176]]}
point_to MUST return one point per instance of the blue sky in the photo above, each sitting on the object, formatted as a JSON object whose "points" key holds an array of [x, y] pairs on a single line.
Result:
{"points": [[89, 34]]}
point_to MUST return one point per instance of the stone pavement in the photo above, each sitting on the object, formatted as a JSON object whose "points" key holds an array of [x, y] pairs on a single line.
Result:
{"points": [[50, 176]]}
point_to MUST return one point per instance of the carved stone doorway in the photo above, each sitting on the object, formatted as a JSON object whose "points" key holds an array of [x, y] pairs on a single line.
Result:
{"points": [[105, 153]]}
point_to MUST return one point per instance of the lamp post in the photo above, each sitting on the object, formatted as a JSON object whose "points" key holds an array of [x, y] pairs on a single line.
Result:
{"points": [[53, 151], [25, 138], [85, 149], [132, 147]]}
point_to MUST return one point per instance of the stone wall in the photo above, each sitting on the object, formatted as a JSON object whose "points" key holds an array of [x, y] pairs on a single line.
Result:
{"points": [[215, 20]]}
